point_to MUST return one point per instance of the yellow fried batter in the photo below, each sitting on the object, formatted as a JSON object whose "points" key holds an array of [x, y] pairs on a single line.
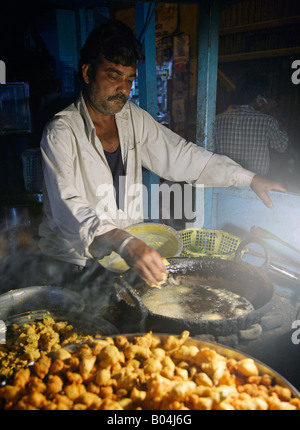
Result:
{"points": [[165, 276], [26, 342]]}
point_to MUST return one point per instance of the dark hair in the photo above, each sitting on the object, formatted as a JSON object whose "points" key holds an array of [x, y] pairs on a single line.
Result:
{"points": [[250, 87], [113, 41]]}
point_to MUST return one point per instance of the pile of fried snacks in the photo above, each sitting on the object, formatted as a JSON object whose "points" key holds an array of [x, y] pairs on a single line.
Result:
{"points": [[26, 342], [144, 374]]}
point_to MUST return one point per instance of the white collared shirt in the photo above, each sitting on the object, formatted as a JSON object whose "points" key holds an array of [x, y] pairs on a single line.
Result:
{"points": [[77, 175]]}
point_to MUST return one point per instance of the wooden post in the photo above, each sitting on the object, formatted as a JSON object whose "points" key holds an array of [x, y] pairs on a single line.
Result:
{"points": [[145, 29]]}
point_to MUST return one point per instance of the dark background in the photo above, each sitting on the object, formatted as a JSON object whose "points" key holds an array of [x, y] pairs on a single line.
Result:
{"points": [[40, 43]]}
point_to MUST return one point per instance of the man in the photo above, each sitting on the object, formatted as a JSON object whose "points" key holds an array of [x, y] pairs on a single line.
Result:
{"points": [[103, 137], [246, 132]]}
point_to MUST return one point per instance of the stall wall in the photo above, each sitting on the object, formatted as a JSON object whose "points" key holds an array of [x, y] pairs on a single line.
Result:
{"points": [[236, 210]]}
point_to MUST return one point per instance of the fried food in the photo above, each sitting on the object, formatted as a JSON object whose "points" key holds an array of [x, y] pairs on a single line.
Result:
{"points": [[146, 372], [26, 342], [165, 277]]}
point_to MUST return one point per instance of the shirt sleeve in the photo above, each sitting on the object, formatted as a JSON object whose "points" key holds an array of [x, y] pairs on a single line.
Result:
{"points": [[222, 171], [173, 158], [278, 138], [71, 214]]}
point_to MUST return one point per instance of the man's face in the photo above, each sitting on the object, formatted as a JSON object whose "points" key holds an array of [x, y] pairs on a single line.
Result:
{"points": [[110, 90]]}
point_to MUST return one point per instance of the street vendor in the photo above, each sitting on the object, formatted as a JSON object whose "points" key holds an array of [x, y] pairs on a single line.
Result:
{"points": [[101, 142]]}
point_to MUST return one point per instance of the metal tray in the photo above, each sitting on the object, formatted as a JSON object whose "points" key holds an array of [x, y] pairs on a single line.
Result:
{"points": [[85, 323], [33, 298]]}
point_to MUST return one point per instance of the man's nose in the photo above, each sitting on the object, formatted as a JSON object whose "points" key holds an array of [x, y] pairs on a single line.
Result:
{"points": [[124, 87]]}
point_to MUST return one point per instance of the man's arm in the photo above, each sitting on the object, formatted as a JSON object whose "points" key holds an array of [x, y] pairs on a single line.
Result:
{"points": [[191, 163], [221, 171], [144, 260], [75, 218]]}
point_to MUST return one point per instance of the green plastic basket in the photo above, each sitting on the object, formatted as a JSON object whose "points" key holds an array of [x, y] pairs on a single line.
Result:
{"points": [[209, 243]]}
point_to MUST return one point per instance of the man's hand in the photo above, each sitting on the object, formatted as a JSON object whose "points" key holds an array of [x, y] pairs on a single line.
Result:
{"points": [[262, 186], [144, 261]]}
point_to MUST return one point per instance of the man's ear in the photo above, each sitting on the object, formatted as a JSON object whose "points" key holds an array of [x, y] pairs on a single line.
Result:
{"points": [[85, 69]]}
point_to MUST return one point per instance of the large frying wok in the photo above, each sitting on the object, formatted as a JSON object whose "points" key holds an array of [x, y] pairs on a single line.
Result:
{"points": [[236, 276]]}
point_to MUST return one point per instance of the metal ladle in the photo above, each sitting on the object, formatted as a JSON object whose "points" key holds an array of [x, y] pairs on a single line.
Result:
{"points": [[261, 233], [265, 234]]}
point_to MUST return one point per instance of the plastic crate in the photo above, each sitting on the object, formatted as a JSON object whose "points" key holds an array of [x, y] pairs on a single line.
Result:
{"points": [[209, 243]]}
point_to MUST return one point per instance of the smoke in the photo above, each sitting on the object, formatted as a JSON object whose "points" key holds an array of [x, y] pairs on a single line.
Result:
{"points": [[23, 265]]}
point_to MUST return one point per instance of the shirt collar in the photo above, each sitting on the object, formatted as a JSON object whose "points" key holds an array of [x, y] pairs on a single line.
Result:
{"points": [[245, 108], [82, 108]]}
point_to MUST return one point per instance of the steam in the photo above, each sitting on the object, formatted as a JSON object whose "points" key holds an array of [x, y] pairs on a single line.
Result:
{"points": [[24, 265]]}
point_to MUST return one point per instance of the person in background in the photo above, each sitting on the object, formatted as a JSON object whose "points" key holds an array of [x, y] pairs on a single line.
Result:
{"points": [[101, 142], [247, 131]]}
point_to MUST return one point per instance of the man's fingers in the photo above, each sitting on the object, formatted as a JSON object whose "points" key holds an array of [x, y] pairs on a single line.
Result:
{"points": [[153, 269], [145, 261], [150, 274], [266, 199], [262, 186], [278, 187]]}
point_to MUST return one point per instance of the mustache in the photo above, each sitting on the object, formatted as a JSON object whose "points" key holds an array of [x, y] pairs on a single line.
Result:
{"points": [[118, 97]]}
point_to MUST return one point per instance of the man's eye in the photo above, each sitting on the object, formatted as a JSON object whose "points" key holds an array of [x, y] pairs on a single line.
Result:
{"points": [[113, 77]]}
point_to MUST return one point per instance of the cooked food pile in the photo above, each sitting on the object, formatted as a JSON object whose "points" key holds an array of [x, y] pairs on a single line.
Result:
{"points": [[26, 342], [148, 372]]}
